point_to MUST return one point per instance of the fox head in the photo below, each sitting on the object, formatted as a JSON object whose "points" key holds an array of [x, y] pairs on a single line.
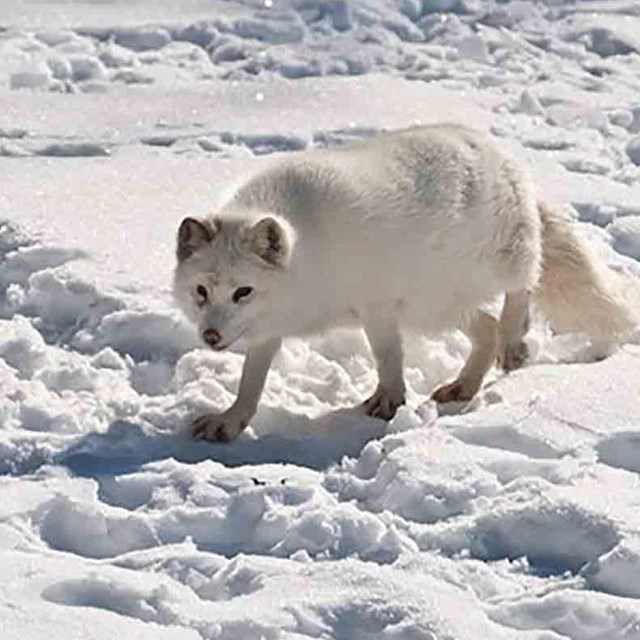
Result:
{"points": [[224, 278]]}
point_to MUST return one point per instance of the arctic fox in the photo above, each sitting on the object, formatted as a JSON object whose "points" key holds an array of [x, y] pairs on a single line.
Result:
{"points": [[419, 228]]}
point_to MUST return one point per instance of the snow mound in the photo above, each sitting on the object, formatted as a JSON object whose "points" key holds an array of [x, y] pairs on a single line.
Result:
{"points": [[626, 236]]}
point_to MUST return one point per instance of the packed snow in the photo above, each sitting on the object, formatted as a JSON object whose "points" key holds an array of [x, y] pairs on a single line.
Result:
{"points": [[516, 516]]}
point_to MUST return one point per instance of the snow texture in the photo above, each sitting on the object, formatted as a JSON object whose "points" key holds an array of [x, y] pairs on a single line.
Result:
{"points": [[515, 517]]}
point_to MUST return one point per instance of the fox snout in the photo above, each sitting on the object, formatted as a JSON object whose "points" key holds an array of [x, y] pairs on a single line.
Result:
{"points": [[211, 337]]}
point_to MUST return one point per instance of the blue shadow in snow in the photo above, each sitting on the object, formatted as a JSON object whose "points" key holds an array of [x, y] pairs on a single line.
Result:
{"points": [[315, 444]]}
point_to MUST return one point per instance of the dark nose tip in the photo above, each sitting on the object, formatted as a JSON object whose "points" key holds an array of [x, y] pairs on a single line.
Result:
{"points": [[211, 337]]}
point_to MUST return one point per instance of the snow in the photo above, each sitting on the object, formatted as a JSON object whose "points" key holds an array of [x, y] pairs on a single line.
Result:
{"points": [[513, 517], [626, 235]]}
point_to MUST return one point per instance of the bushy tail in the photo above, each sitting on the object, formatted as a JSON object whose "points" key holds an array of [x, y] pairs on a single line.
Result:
{"points": [[577, 291]]}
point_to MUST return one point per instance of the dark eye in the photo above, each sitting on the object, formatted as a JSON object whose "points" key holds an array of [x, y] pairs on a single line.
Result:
{"points": [[202, 293], [240, 293]]}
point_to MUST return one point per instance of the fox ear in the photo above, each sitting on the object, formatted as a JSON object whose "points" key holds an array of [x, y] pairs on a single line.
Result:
{"points": [[192, 235], [270, 241]]}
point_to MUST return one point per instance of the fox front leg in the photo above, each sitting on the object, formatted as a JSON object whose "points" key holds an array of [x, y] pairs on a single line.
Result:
{"points": [[384, 338], [227, 426]]}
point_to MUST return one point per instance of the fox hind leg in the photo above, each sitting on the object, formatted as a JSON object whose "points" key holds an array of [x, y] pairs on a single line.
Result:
{"points": [[483, 332], [514, 324]]}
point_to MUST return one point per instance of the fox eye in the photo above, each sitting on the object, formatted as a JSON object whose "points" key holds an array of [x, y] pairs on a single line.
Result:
{"points": [[202, 294], [240, 293]]}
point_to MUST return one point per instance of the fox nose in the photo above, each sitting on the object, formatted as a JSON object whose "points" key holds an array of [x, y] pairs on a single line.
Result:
{"points": [[211, 337]]}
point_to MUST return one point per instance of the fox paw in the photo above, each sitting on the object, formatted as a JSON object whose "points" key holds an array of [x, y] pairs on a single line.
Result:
{"points": [[223, 427], [383, 404], [513, 356], [455, 391]]}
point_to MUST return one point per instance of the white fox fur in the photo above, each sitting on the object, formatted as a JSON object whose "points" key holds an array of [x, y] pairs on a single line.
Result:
{"points": [[416, 228]]}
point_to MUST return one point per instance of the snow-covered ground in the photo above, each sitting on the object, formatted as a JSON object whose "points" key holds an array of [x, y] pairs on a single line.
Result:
{"points": [[518, 517]]}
